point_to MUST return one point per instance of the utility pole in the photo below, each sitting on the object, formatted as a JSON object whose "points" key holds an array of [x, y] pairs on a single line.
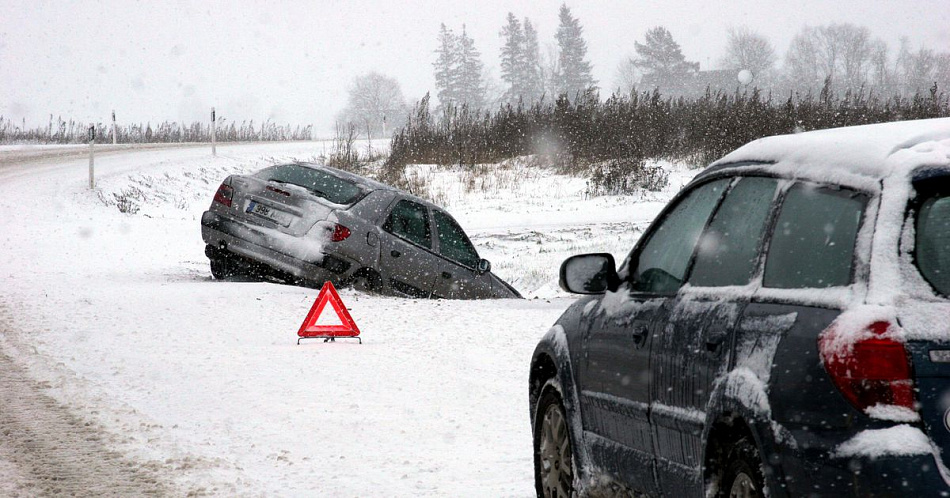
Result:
{"points": [[92, 157]]}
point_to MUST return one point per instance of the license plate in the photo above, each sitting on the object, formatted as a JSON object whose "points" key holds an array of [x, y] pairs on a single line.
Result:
{"points": [[264, 211]]}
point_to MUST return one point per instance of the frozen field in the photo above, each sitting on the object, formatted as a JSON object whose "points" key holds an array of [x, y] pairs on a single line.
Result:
{"points": [[193, 386]]}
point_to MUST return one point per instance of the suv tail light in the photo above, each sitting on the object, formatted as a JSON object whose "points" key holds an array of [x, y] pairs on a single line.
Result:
{"points": [[224, 194], [340, 233], [872, 370]]}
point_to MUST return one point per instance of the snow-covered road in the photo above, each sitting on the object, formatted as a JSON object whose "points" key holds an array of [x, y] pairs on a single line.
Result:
{"points": [[115, 326]]}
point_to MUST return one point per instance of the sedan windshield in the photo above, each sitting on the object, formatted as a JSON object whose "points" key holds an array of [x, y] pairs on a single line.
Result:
{"points": [[319, 182]]}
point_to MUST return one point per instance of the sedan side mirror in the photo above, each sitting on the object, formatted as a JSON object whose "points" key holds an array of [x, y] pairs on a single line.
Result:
{"points": [[484, 266], [589, 274]]}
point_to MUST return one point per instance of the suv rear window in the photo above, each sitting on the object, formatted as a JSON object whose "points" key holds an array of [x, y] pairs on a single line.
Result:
{"points": [[812, 245], [933, 242], [319, 182]]}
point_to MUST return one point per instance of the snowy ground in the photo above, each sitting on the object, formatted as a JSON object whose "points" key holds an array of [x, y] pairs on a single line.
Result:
{"points": [[114, 320]]}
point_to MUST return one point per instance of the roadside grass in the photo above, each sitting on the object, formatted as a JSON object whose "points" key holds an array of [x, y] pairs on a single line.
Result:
{"points": [[525, 215]]}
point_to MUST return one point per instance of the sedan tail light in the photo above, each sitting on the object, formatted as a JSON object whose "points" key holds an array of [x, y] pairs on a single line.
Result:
{"points": [[873, 370], [224, 194], [340, 233]]}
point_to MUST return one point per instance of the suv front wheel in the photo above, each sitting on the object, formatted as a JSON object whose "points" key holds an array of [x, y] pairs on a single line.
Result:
{"points": [[554, 468]]}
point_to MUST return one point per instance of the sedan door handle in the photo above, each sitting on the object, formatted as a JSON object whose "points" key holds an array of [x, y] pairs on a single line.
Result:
{"points": [[446, 275], [394, 253]]}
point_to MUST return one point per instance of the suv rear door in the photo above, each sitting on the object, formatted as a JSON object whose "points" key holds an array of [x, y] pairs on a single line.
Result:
{"points": [[693, 334]]}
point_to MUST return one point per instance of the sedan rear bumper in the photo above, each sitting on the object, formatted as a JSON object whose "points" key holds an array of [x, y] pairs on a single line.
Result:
{"points": [[225, 234]]}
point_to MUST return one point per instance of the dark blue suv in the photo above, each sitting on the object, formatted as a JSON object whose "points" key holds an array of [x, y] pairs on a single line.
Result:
{"points": [[782, 329]]}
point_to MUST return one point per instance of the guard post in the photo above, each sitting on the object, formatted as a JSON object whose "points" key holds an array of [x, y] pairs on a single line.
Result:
{"points": [[214, 127], [92, 156]]}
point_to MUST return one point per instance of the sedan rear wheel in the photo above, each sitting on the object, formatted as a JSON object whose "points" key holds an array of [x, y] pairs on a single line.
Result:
{"points": [[221, 268], [553, 451]]}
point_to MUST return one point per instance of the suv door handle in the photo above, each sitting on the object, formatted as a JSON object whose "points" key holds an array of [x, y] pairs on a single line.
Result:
{"points": [[713, 343], [446, 275], [640, 330], [394, 253], [639, 334]]}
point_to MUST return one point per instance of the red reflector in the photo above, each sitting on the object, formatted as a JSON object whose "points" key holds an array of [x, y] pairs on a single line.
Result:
{"points": [[340, 233], [224, 194], [875, 371]]}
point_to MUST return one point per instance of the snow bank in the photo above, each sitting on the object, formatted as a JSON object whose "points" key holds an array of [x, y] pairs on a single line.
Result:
{"points": [[900, 440]]}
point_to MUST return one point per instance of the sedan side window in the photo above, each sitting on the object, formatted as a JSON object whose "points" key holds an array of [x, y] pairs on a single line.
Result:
{"points": [[664, 258], [729, 249], [813, 241], [453, 243], [410, 220]]}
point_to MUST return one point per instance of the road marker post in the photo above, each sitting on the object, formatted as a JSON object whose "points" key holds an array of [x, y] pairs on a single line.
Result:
{"points": [[92, 157], [214, 128], [346, 329], [115, 139]]}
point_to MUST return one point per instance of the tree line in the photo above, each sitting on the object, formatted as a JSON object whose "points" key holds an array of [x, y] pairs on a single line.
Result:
{"points": [[610, 141], [73, 132], [836, 57]]}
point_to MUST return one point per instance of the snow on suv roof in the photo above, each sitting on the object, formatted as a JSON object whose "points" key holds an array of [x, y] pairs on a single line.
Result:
{"points": [[851, 155]]}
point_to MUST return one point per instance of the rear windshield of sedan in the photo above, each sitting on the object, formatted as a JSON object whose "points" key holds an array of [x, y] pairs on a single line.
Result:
{"points": [[319, 182]]}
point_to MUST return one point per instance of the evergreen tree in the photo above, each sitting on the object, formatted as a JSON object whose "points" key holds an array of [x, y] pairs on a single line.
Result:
{"points": [[663, 63], [469, 71], [533, 82], [574, 75], [513, 59], [446, 68]]}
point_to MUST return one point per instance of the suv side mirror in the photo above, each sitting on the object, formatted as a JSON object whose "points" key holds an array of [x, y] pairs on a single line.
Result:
{"points": [[589, 274], [484, 266]]}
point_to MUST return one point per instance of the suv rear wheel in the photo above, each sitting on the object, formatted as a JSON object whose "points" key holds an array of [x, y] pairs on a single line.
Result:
{"points": [[554, 467], [741, 473]]}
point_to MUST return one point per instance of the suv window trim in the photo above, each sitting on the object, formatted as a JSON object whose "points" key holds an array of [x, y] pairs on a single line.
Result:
{"points": [[923, 193], [777, 205], [634, 254], [758, 268]]}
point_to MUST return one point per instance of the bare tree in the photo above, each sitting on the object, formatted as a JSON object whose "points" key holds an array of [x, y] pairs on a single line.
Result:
{"points": [[746, 49], [376, 103], [627, 76], [918, 71], [842, 54]]}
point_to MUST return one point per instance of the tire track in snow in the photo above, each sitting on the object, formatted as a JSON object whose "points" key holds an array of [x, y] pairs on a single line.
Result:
{"points": [[47, 451]]}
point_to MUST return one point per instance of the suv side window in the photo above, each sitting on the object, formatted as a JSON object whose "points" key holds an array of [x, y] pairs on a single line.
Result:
{"points": [[812, 245], [664, 258], [729, 249], [410, 220], [453, 243]]}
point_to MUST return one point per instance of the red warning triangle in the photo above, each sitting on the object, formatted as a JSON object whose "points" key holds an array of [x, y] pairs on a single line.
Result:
{"points": [[346, 328]]}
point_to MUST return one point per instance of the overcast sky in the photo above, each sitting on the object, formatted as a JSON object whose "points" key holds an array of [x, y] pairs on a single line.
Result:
{"points": [[293, 61]]}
